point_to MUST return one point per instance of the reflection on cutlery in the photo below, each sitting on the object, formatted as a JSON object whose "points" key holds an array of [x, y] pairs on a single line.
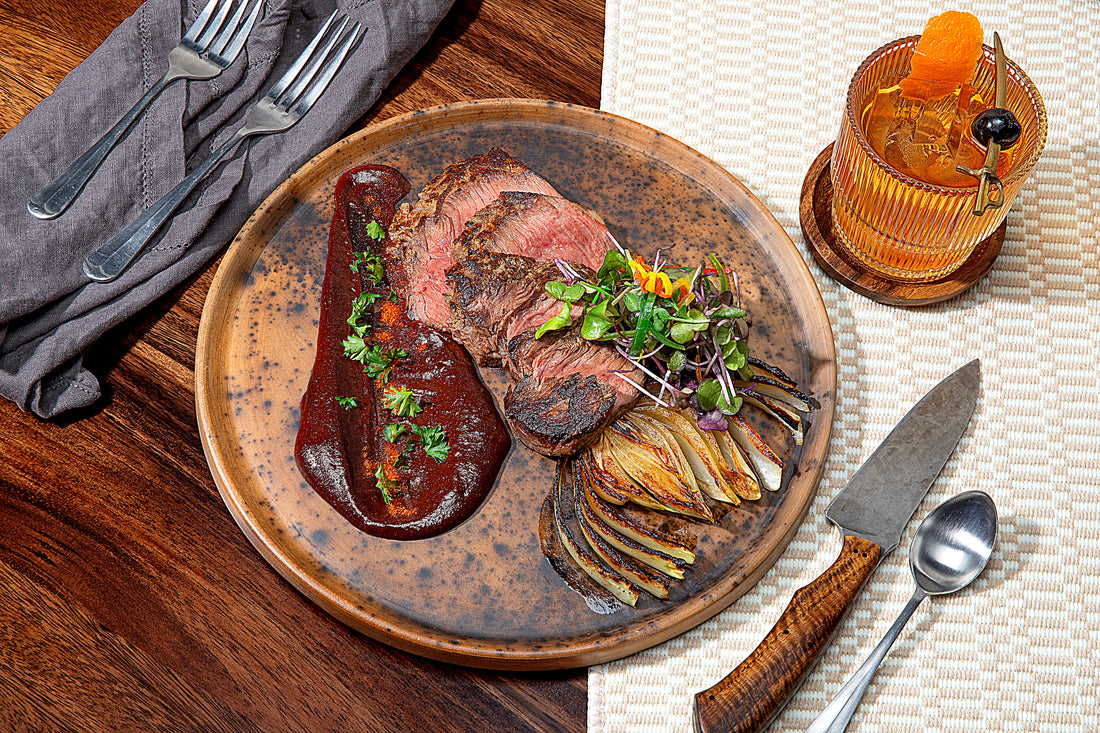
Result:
{"points": [[205, 51], [872, 510], [286, 103], [950, 549]]}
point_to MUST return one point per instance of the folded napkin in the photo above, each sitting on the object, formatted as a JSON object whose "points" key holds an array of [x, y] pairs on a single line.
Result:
{"points": [[50, 313]]}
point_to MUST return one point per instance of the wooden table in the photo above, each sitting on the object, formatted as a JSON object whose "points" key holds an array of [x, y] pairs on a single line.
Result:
{"points": [[129, 599]]}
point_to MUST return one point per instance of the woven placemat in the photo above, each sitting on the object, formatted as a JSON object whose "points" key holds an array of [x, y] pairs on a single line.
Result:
{"points": [[757, 85]]}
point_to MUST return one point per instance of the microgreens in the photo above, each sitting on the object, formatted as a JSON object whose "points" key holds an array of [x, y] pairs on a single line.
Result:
{"points": [[682, 327]]}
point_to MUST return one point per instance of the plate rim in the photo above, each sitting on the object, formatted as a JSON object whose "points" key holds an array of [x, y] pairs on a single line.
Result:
{"points": [[462, 650]]}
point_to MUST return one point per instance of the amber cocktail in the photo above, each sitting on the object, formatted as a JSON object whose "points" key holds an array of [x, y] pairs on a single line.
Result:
{"points": [[900, 206]]}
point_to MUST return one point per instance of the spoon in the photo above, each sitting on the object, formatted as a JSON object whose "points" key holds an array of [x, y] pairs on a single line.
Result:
{"points": [[950, 548]]}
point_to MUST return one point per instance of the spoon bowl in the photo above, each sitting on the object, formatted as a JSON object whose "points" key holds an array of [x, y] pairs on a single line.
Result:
{"points": [[953, 544], [950, 549]]}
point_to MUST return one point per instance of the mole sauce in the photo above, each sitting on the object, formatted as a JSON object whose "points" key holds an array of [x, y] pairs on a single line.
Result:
{"points": [[340, 449]]}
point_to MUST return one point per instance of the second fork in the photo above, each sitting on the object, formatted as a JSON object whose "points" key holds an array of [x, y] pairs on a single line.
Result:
{"points": [[205, 51], [280, 109]]}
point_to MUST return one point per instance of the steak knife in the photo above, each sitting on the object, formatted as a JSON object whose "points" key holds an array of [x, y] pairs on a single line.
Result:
{"points": [[871, 511]]}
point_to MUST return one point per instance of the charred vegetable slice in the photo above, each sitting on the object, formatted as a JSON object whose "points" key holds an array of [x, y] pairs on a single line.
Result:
{"points": [[609, 480], [700, 450], [742, 477], [623, 565], [768, 466], [659, 561], [649, 466], [589, 563], [662, 542]]}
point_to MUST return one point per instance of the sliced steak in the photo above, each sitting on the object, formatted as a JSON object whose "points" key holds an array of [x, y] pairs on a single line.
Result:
{"points": [[539, 226], [421, 235], [566, 389]]}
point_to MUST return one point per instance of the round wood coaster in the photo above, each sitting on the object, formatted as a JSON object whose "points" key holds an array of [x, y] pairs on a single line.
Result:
{"points": [[817, 228]]}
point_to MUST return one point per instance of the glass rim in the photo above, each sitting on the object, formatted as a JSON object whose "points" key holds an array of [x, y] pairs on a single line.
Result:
{"points": [[1015, 74]]}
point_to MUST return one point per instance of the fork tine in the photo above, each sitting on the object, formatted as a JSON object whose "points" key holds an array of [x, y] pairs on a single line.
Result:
{"points": [[314, 93], [200, 21], [208, 34], [291, 73], [235, 34], [303, 81]]}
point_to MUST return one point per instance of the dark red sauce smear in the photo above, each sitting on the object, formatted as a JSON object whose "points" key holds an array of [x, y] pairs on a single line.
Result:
{"points": [[338, 449]]}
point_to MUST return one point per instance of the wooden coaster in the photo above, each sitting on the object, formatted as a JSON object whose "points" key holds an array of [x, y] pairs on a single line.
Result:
{"points": [[817, 228]]}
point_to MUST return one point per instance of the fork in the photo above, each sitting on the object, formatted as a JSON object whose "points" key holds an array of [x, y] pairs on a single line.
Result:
{"points": [[202, 53], [287, 102]]}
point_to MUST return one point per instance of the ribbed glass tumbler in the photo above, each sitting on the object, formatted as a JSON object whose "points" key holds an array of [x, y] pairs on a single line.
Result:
{"points": [[903, 228]]}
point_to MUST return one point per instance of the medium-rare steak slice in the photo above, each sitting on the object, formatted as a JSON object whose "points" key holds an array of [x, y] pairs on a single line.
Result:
{"points": [[494, 299], [539, 226], [421, 235], [566, 389]]}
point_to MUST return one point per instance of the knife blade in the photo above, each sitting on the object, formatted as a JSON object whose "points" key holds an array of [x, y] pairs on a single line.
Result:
{"points": [[872, 511]]}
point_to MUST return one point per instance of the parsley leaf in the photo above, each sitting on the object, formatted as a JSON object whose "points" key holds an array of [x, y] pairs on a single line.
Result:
{"points": [[347, 402], [393, 431], [376, 231], [434, 441], [385, 484], [401, 402]]}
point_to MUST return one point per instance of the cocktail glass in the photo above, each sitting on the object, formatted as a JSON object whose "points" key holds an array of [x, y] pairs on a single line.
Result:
{"points": [[885, 216]]}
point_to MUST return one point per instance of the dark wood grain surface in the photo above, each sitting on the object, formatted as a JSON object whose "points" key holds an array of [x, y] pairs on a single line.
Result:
{"points": [[129, 599]]}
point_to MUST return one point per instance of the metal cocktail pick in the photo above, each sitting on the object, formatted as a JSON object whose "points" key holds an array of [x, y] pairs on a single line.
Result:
{"points": [[990, 190]]}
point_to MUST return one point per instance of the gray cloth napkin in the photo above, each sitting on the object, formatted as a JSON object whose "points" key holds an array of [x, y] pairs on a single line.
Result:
{"points": [[50, 313]]}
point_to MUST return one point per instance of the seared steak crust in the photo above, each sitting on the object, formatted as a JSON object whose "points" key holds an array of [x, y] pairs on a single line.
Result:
{"points": [[566, 388], [422, 234]]}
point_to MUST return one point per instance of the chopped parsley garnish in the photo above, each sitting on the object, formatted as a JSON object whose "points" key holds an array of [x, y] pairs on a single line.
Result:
{"points": [[348, 402], [376, 231], [385, 484], [356, 349], [401, 402], [370, 265], [434, 441], [379, 361], [393, 431]]}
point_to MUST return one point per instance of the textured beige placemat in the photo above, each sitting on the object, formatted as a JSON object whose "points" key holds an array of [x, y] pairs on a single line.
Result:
{"points": [[757, 85]]}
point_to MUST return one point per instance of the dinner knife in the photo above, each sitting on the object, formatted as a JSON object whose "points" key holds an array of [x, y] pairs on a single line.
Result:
{"points": [[871, 511]]}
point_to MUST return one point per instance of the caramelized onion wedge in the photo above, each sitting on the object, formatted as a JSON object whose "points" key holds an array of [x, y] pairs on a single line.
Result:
{"points": [[609, 480], [612, 581], [785, 414], [742, 477], [622, 565], [699, 449], [648, 467], [663, 542], [659, 561], [768, 466]]}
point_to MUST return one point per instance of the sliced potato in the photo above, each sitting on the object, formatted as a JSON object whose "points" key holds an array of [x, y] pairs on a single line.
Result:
{"points": [[698, 448]]}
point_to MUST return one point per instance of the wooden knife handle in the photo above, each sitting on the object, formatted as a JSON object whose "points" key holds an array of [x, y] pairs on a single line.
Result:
{"points": [[754, 693]]}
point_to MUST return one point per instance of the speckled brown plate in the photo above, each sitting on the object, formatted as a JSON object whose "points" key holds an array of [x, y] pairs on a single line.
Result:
{"points": [[482, 594]]}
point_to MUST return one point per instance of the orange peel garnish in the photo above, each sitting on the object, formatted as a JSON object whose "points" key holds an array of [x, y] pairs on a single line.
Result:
{"points": [[945, 56]]}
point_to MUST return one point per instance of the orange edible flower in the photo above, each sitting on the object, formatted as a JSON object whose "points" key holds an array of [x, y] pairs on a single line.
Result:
{"points": [[945, 56], [659, 282]]}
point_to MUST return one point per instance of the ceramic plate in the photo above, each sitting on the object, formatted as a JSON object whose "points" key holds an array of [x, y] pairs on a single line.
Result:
{"points": [[482, 594]]}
